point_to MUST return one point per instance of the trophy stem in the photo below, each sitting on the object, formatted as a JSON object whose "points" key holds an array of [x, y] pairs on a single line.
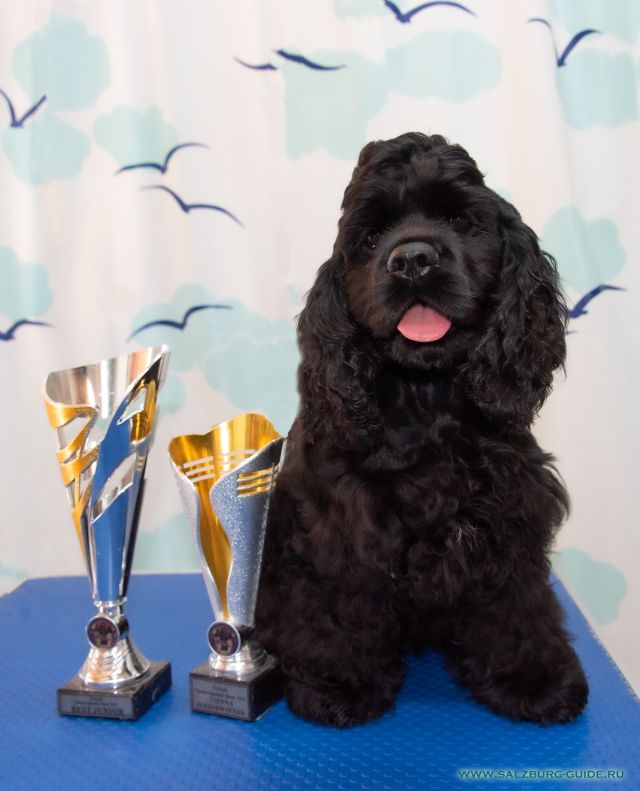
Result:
{"points": [[112, 668], [111, 609], [249, 658], [114, 659]]}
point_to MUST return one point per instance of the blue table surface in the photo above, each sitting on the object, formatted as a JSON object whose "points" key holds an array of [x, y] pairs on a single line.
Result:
{"points": [[435, 731]]}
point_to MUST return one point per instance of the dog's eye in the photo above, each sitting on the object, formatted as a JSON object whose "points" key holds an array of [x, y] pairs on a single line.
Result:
{"points": [[461, 224], [372, 239]]}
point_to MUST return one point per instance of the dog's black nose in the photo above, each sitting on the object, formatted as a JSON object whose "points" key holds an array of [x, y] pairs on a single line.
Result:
{"points": [[412, 259]]}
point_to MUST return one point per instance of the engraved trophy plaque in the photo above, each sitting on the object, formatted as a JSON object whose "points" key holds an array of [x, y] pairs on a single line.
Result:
{"points": [[225, 479], [105, 415]]}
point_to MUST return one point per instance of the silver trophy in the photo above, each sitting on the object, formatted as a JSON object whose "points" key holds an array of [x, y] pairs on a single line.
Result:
{"points": [[105, 416], [226, 478]]}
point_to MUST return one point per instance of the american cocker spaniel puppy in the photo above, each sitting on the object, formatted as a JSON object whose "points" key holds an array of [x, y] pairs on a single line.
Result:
{"points": [[414, 509]]}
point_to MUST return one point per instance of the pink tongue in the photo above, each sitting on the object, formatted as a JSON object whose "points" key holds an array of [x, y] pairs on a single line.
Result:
{"points": [[423, 324]]}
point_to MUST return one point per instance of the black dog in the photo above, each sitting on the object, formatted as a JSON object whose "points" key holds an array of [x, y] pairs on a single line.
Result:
{"points": [[414, 508]]}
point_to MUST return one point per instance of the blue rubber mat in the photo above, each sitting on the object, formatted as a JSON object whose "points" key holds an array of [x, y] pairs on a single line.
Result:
{"points": [[435, 732]]}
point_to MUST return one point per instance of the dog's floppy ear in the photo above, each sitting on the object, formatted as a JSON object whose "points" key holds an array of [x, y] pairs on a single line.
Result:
{"points": [[337, 368], [510, 372]]}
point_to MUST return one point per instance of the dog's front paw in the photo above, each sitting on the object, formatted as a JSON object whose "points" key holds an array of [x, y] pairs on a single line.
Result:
{"points": [[535, 696], [340, 706]]}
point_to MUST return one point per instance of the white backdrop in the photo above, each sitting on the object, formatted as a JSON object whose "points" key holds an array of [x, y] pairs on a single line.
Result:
{"points": [[549, 111]]}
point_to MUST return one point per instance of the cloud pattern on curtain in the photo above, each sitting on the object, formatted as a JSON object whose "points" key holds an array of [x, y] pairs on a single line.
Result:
{"points": [[173, 176]]}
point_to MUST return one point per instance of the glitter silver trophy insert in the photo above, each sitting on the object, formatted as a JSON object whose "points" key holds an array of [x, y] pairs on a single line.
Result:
{"points": [[226, 478], [105, 416]]}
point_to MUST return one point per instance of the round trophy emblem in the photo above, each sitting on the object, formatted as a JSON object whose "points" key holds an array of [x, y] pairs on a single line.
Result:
{"points": [[224, 638], [102, 632]]}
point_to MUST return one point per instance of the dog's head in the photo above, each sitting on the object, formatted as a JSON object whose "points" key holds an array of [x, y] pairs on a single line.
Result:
{"points": [[433, 270]]}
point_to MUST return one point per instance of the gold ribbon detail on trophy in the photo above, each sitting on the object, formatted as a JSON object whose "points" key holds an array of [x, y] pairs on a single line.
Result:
{"points": [[73, 459]]}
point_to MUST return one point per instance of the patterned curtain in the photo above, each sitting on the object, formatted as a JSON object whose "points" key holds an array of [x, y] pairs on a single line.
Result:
{"points": [[172, 172]]}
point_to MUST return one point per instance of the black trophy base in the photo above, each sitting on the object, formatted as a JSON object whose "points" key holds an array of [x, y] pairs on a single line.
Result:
{"points": [[75, 699], [243, 699]]}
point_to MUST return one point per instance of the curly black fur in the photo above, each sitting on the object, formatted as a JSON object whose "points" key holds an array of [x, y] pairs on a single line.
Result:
{"points": [[414, 508]]}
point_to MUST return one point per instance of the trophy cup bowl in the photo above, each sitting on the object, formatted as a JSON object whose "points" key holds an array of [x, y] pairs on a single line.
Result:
{"points": [[226, 478], [104, 414]]}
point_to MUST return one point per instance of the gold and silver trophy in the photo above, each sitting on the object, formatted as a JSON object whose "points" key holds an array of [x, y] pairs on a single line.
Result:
{"points": [[226, 478], [105, 416]]}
